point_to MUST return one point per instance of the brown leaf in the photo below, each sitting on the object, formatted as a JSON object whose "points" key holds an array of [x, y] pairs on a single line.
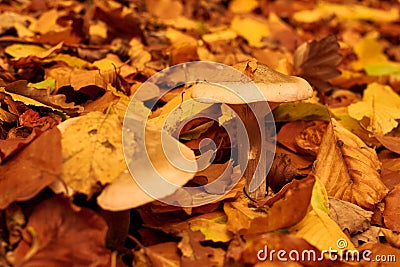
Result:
{"points": [[26, 174], [31, 59], [309, 140], [289, 131], [11, 146], [286, 167], [348, 168], [390, 142], [164, 254], [290, 206], [193, 253], [391, 214], [349, 216], [316, 62], [60, 234], [43, 96]]}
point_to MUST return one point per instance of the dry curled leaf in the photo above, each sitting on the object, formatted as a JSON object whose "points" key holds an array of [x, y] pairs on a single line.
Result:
{"points": [[316, 62], [348, 168], [349, 216]]}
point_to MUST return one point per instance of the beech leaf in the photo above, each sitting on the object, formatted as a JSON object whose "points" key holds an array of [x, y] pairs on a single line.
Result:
{"points": [[348, 168], [316, 61], [349, 216]]}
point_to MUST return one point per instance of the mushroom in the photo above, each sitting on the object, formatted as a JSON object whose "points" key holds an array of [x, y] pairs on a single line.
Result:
{"points": [[275, 88]]}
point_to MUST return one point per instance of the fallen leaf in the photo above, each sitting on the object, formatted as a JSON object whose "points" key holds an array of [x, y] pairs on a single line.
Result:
{"points": [[25, 54], [392, 237], [192, 251], [376, 63], [316, 62], [349, 216], [211, 225], [92, 150], [31, 170], [60, 234], [381, 105], [164, 254], [251, 28], [42, 95], [318, 229], [390, 142], [348, 168], [300, 111], [391, 213], [371, 235], [242, 6], [286, 167], [289, 208]]}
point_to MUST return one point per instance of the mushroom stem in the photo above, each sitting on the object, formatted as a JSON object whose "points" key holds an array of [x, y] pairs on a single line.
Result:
{"points": [[253, 118]]}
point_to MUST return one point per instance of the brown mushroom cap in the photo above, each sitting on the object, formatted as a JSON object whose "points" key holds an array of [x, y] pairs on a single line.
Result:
{"points": [[274, 87]]}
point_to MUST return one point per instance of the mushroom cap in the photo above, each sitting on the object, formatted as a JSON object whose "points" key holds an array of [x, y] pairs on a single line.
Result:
{"points": [[272, 86]]}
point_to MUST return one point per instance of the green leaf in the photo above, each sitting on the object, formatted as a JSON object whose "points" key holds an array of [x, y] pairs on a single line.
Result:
{"points": [[300, 111]]}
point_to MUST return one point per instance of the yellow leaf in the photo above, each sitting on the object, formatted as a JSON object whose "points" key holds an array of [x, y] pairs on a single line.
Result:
{"points": [[318, 229], [221, 35], [381, 105], [253, 29], [243, 6], [346, 12], [212, 226], [92, 150], [177, 37], [348, 168]]}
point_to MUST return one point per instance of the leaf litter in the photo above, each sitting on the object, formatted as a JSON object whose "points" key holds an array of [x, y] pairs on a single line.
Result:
{"points": [[68, 70]]}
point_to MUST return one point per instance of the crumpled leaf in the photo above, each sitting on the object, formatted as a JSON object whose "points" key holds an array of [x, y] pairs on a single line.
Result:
{"points": [[381, 105], [60, 234], [285, 209], [348, 168], [391, 214], [43, 95], [31, 170], [371, 235], [289, 206], [316, 62], [349, 216]]}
